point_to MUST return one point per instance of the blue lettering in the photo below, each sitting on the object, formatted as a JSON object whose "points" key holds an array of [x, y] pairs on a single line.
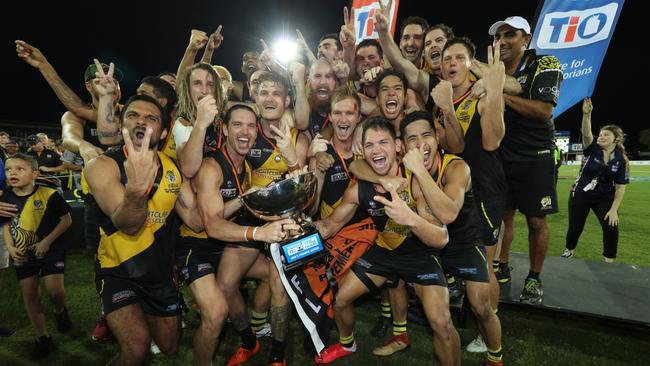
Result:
{"points": [[557, 24]]}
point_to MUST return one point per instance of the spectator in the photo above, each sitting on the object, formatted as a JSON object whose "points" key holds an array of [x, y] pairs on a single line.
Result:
{"points": [[600, 185]]}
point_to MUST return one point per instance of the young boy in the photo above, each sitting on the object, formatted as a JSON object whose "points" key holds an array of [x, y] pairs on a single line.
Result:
{"points": [[31, 239]]}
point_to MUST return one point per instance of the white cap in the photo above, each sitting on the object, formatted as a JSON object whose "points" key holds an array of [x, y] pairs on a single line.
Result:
{"points": [[515, 22]]}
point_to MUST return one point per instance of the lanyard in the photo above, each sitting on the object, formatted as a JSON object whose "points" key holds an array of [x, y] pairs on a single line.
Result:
{"points": [[232, 168]]}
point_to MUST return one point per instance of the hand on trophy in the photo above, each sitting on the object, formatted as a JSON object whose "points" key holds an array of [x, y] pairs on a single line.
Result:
{"points": [[277, 231]]}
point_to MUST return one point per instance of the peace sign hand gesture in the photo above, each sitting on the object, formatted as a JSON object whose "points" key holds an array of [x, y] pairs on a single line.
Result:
{"points": [[104, 82], [347, 36], [494, 76], [381, 17], [140, 165], [284, 143], [397, 208]]}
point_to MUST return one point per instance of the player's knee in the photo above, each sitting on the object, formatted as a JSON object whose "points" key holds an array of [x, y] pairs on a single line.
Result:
{"points": [[483, 310], [536, 224], [56, 296], [441, 324], [136, 350], [212, 319]]}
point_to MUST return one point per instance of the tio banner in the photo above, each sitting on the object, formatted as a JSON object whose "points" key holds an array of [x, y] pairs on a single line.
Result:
{"points": [[364, 12], [577, 33]]}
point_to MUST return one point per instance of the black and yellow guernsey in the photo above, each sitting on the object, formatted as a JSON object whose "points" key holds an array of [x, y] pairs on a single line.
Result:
{"points": [[392, 236], [147, 256], [488, 177], [233, 185], [337, 179], [265, 159], [38, 214], [465, 230]]}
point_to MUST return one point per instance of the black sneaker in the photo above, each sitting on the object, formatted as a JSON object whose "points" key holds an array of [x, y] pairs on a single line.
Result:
{"points": [[532, 292], [6, 332], [503, 274], [42, 347], [63, 323], [381, 328]]}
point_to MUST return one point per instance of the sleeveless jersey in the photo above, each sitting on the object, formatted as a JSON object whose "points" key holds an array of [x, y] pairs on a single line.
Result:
{"points": [[147, 256], [392, 236], [488, 177], [232, 186], [465, 230], [265, 159]]}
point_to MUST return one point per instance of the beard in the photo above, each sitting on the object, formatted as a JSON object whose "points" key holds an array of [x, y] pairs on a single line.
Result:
{"points": [[317, 105]]}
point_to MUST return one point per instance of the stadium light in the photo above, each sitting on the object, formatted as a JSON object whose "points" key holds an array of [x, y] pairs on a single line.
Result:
{"points": [[284, 50]]}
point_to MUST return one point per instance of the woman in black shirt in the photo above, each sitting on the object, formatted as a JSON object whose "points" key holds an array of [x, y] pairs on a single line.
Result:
{"points": [[600, 186]]}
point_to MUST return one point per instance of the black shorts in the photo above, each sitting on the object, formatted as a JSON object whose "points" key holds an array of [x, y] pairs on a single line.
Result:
{"points": [[531, 187], [466, 262], [51, 263], [157, 300], [92, 216], [491, 215], [197, 257], [419, 267]]}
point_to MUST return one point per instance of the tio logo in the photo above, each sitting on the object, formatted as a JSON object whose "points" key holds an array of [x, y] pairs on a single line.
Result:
{"points": [[365, 22], [577, 28]]}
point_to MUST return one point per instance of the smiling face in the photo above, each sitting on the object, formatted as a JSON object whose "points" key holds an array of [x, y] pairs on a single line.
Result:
{"points": [[137, 117], [251, 63], [391, 96], [271, 100], [434, 42], [606, 139], [241, 131], [513, 43], [379, 150], [456, 64], [322, 81], [411, 43], [420, 135], [344, 117]]}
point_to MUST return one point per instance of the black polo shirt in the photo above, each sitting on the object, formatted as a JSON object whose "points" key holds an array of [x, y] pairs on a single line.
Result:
{"points": [[616, 171], [48, 158], [528, 139]]}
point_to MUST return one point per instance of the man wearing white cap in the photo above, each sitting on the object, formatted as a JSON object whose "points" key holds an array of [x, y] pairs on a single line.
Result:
{"points": [[527, 147]]}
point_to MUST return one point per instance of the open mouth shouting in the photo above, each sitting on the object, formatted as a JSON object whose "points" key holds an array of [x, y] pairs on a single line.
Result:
{"points": [[391, 108], [322, 93], [411, 52]]}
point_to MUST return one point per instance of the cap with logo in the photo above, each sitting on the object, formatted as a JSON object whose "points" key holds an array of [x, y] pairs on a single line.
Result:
{"points": [[515, 22], [32, 140], [89, 74]]}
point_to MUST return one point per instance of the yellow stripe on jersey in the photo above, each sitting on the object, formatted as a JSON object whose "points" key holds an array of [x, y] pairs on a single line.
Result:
{"points": [[274, 168], [395, 234], [117, 248], [465, 112], [25, 224]]}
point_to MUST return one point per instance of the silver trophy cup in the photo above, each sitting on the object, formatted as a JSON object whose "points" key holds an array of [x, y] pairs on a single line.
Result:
{"points": [[287, 199]]}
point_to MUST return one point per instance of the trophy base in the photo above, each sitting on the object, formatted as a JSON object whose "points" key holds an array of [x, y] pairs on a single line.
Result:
{"points": [[301, 250]]}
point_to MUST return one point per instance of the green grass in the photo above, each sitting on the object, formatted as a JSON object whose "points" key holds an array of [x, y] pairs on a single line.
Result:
{"points": [[633, 226], [531, 337]]}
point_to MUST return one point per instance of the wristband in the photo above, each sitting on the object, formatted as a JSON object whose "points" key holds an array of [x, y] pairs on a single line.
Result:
{"points": [[249, 236], [255, 231]]}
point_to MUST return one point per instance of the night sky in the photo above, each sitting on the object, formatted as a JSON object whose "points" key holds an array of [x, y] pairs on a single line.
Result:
{"points": [[147, 37]]}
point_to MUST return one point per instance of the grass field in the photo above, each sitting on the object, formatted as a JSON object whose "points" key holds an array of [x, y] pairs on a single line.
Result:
{"points": [[531, 337]]}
